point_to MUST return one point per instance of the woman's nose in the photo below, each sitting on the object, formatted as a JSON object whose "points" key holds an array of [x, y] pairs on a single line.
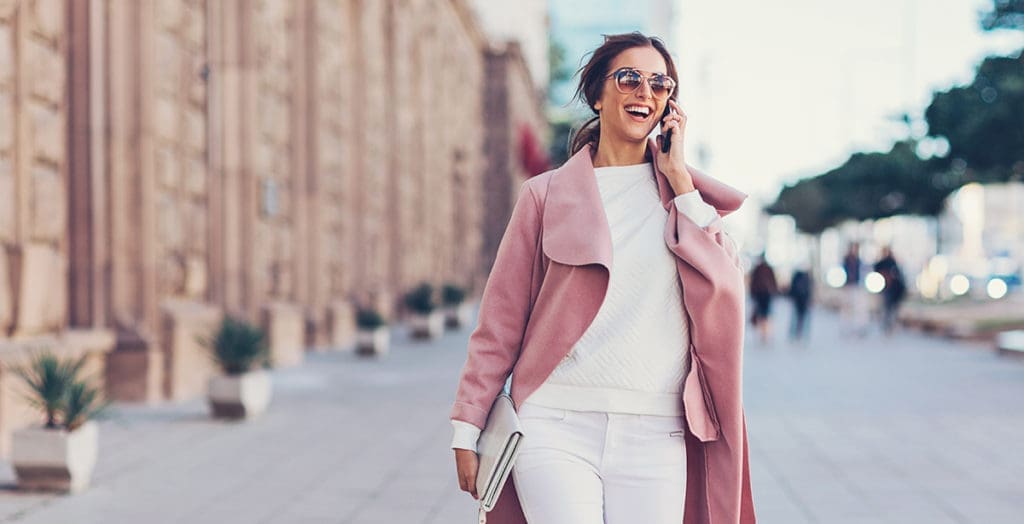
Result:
{"points": [[645, 90]]}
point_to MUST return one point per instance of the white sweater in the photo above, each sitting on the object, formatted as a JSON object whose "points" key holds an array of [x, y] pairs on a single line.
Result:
{"points": [[634, 356]]}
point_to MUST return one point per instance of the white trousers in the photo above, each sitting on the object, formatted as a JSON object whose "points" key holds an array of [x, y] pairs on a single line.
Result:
{"points": [[588, 467]]}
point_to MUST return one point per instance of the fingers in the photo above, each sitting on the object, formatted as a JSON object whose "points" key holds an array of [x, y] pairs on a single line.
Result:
{"points": [[674, 121], [679, 114], [466, 464], [674, 125], [467, 483]]}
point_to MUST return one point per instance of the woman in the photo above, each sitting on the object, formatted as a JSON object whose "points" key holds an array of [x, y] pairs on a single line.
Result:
{"points": [[626, 375], [763, 288]]}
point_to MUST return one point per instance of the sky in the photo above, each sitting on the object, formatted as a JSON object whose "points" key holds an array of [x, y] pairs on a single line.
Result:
{"points": [[777, 91]]}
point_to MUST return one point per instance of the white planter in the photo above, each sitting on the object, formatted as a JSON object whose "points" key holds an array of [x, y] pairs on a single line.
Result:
{"points": [[242, 396], [373, 342], [429, 326], [458, 316], [55, 459]]}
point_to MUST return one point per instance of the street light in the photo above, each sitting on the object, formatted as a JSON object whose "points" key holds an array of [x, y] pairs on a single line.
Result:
{"points": [[996, 288], [836, 277], [875, 282], [959, 285]]}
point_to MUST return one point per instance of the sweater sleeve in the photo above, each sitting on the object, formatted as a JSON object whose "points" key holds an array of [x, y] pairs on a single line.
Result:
{"points": [[465, 435], [692, 205]]}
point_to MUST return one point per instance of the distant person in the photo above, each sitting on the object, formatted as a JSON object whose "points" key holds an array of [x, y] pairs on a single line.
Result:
{"points": [[895, 288], [763, 287], [800, 294], [855, 302]]}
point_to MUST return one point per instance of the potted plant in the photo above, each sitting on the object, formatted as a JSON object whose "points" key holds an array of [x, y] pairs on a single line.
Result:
{"points": [[61, 454], [457, 312], [426, 321], [243, 390], [372, 335]]}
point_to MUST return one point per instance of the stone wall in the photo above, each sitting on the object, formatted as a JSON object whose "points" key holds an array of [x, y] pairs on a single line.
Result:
{"points": [[166, 162], [511, 104], [33, 162]]}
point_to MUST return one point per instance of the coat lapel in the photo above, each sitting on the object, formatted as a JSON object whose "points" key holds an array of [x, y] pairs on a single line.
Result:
{"points": [[575, 226], [576, 230]]}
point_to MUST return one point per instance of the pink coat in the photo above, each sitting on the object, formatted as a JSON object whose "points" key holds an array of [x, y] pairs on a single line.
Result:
{"points": [[548, 281]]}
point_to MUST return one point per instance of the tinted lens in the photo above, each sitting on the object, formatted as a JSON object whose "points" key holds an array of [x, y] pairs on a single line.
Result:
{"points": [[661, 85], [627, 81]]}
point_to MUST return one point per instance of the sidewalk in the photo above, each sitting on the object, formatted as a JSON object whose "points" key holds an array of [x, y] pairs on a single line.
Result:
{"points": [[909, 429], [339, 431]]}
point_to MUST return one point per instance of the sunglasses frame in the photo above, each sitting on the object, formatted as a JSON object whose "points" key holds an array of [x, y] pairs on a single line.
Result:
{"points": [[615, 74]]}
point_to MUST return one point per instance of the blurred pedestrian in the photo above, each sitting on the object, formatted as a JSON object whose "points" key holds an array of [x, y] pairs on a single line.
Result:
{"points": [[855, 310], [799, 292], [599, 352], [763, 287], [895, 288]]}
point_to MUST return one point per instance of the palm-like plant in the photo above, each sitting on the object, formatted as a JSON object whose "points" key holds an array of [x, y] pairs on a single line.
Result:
{"points": [[237, 346], [83, 403], [56, 389], [48, 379]]}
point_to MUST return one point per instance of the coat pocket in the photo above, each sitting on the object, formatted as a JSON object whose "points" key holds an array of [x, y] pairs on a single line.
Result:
{"points": [[699, 406]]}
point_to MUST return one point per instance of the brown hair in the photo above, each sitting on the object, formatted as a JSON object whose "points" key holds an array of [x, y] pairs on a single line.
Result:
{"points": [[593, 73]]}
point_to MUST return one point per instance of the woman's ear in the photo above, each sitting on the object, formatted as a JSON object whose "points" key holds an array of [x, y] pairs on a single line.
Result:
{"points": [[597, 106]]}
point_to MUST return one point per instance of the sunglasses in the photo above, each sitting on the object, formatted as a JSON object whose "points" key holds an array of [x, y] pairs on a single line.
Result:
{"points": [[628, 80]]}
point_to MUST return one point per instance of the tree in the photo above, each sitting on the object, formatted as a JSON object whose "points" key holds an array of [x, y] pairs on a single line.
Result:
{"points": [[867, 186], [984, 121], [1005, 14]]}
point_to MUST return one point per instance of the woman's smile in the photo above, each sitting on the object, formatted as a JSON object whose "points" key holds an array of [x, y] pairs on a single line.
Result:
{"points": [[639, 112]]}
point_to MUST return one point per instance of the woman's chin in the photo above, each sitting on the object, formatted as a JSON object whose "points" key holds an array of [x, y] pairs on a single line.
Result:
{"points": [[637, 136]]}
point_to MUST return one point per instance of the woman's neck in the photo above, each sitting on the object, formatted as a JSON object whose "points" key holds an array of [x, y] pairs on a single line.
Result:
{"points": [[617, 153]]}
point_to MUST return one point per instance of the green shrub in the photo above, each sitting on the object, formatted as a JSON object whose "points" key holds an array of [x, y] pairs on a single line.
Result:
{"points": [[238, 346], [369, 319], [453, 295], [421, 299]]}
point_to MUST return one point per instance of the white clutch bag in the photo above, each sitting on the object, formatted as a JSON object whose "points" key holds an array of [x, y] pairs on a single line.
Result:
{"points": [[497, 449]]}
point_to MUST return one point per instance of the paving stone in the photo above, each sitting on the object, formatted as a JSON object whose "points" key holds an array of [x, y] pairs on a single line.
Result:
{"points": [[894, 430]]}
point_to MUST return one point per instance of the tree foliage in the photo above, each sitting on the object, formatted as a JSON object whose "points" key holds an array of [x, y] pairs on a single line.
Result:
{"points": [[1005, 14], [867, 186], [984, 121]]}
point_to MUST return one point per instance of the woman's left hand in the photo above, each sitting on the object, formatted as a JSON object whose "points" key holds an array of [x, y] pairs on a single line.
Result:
{"points": [[673, 163]]}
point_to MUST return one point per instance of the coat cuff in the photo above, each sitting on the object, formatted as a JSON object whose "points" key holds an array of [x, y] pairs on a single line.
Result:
{"points": [[693, 206], [465, 435]]}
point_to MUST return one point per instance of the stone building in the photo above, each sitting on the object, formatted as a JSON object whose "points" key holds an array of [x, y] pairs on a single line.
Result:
{"points": [[164, 162], [515, 119]]}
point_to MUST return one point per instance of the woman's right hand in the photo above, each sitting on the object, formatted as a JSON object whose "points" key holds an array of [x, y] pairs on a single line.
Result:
{"points": [[467, 463]]}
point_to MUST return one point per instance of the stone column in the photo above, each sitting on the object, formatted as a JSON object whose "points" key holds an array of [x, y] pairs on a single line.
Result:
{"points": [[330, 257], [33, 167]]}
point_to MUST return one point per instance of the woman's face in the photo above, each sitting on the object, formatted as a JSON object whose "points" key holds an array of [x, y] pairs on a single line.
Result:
{"points": [[618, 123]]}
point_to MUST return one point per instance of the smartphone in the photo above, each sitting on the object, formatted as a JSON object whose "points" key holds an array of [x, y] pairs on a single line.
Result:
{"points": [[666, 141]]}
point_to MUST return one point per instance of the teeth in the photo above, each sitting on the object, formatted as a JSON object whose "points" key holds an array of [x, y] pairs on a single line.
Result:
{"points": [[639, 109]]}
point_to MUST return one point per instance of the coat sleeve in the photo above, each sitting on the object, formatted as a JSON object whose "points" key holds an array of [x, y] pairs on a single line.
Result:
{"points": [[505, 307], [707, 249]]}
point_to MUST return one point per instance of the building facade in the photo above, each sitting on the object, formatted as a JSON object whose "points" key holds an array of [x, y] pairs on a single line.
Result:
{"points": [[166, 162]]}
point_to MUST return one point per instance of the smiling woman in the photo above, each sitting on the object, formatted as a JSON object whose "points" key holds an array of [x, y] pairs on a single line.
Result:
{"points": [[615, 304], [637, 65]]}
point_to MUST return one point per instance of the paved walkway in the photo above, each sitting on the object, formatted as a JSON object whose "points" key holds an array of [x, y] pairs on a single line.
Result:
{"points": [[907, 429]]}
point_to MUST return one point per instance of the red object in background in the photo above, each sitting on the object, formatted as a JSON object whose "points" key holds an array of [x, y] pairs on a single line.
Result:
{"points": [[532, 156]]}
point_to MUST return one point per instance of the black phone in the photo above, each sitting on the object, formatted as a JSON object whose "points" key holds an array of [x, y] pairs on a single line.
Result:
{"points": [[666, 139]]}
